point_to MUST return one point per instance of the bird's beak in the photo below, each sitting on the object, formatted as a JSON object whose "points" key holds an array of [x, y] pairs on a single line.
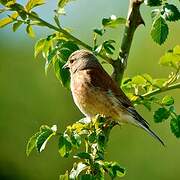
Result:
{"points": [[65, 66]]}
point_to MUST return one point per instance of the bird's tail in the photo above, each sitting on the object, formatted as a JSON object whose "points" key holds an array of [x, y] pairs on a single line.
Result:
{"points": [[153, 134], [139, 121]]}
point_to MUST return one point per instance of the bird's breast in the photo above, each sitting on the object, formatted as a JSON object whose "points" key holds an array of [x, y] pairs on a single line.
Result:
{"points": [[92, 100]]}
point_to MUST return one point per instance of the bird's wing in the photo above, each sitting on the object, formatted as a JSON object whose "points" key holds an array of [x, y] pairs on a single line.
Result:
{"points": [[102, 80]]}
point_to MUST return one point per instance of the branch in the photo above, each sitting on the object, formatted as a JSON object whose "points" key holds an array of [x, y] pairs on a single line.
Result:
{"points": [[161, 90], [67, 34], [134, 19]]}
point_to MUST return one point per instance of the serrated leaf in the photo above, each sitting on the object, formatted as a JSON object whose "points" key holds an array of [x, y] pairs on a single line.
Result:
{"points": [[113, 21], [159, 30], [153, 2], [83, 155], [77, 169], [39, 46], [16, 25], [30, 31], [168, 100], [161, 114], [43, 138], [8, 20], [65, 145], [62, 74], [175, 126], [171, 12], [33, 3], [31, 143]]}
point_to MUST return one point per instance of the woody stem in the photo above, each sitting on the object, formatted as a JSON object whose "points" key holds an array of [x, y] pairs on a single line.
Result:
{"points": [[133, 20]]}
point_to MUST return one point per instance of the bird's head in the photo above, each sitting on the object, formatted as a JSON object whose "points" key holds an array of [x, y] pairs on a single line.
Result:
{"points": [[80, 60]]}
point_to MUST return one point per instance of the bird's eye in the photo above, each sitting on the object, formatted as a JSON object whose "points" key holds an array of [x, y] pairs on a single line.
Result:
{"points": [[72, 60]]}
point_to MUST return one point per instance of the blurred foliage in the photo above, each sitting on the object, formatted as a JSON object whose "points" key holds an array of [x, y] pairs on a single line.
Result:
{"points": [[141, 89]]}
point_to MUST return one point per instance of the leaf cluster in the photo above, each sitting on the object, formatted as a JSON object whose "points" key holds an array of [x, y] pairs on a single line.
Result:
{"points": [[161, 15], [90, 162], [141, 88]]}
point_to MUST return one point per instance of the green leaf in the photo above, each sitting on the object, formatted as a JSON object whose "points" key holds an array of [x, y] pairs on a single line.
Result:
{"points": [[171, 58], [108, 47], [65, 145], [171, 12], [64, 177], [16, 25], [66, 48], [159, 30], [31, 143], [175, 126], [161, 114], [61, 5], [92, 137], [153, 2], [113, 21], [138, 80], [99, 31], [159, 82], [8, 20], [168, 101], [39, 46], [77, 169], [83, 155], [50, 58], [176, 50], [30, 31], [7, 3], [86, 177], [155, 13], [33, 3], [114, 169], [101, 140], [76, 139], [43, 138], [62, 74]]}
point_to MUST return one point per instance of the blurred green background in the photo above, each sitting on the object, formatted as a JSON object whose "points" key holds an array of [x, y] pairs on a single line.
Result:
{"points": [[29, 99]]}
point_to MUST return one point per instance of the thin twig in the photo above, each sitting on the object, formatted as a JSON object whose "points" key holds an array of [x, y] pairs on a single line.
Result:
{"points": [[67, 34], [161, 90]]}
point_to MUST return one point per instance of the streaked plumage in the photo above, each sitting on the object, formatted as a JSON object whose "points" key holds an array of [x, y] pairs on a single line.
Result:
{"points": [[95, 92]]}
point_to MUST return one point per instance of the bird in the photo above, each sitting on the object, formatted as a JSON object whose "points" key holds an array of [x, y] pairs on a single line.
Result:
{"points": [[96, 93]]}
